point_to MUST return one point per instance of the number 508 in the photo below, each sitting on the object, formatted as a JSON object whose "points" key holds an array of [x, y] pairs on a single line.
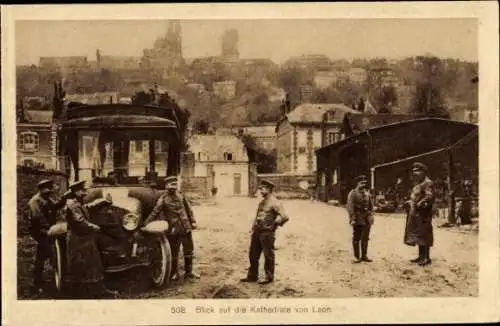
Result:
{"points": [[178, 309]]}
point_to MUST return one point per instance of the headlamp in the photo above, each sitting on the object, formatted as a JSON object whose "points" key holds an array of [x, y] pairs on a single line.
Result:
{"points": [[130, 222]]}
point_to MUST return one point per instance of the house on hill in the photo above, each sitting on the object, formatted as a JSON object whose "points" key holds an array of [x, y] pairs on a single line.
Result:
{"points": [[301, 132], [225, 158]]}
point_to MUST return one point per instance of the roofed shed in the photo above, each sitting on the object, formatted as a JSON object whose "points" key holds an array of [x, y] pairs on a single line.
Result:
{"points": [[385, 153]]}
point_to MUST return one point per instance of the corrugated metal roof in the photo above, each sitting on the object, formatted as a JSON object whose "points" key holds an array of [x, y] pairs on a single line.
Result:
{"points": [[392, 125], [361, 122]]}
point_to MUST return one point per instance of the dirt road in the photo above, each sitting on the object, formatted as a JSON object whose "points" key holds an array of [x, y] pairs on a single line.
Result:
{"points": [[314, 258]]}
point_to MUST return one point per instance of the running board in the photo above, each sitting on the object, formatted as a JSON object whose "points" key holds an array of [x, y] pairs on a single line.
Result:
{"points": [[121, 268]]}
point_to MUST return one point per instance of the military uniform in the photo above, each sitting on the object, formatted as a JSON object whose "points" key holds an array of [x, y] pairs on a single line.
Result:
{"points": [[360, 210], [270, 215], [179, 215], [42, 213], [418, 230], [84, 264]]}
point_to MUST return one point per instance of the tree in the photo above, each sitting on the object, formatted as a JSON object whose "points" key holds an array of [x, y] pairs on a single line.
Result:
{"points": [[384, 98], [428, 100], [201, 127], [265, 160]]}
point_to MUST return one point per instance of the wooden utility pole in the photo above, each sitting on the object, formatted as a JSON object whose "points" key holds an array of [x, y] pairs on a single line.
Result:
{"points": [[451, 190], [152, 158]]}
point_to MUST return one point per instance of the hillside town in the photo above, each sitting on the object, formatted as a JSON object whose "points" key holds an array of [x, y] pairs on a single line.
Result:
{"points": [[311, 129]]}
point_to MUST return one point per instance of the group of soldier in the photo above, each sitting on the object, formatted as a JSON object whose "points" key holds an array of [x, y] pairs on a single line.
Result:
{"points": [[419, 208], [84, 268], [84, 262]]}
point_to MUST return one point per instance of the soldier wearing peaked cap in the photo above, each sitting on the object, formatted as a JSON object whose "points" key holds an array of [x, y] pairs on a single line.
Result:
{"points": [[360, 210], [41, 212], [180, 217], [84, 265], [270, 215], [418, 229]]}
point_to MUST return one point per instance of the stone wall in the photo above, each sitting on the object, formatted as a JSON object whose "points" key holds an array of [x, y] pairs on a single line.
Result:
{"points": [[27, 180], [288, 182], [197, 187]]}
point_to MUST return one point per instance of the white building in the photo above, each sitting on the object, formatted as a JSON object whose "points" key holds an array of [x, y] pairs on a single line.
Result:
{"points": [[225, 157], [225, 89], [299, 135]]}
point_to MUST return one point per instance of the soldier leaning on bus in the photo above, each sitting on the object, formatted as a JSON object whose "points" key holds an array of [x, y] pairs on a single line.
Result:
{"points": [[418, 229], [41, 213], [179, 215], [270, 215], [84, 265], [360, 209]]}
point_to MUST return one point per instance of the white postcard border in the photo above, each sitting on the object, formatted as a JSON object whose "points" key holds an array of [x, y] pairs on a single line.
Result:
{"points": [[352, 310]]}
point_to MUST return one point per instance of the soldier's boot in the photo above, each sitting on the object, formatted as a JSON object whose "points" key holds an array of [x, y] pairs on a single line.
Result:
{"points": [[426, 260], [420, 255], [364, 252], [188, 266], [175, 271], [355, 246]]}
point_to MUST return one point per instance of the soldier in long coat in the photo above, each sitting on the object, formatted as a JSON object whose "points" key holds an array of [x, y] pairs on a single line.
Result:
{"points": [[41, 212], [180, 217], [418, 231], [84, 265], [360, 210], [270, 215]]}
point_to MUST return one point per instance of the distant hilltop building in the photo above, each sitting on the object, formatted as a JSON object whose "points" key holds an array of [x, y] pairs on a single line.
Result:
{"points": [[116, 62], [317, 62], [384, 77], [166, 53], [325, 79], [225, 89], [230, 45], [66, 62]]}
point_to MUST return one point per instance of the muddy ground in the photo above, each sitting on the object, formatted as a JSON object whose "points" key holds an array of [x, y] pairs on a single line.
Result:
{"points": [[313, 258]]}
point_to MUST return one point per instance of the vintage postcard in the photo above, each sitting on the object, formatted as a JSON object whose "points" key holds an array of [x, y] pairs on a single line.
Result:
{"points": [[250, 163]]}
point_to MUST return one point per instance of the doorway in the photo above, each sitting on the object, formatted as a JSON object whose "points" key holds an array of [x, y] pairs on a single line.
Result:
{"points": [[237, 184]]}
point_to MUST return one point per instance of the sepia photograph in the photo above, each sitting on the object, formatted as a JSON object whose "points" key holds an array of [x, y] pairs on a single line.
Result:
{"points": [[194, 157]]}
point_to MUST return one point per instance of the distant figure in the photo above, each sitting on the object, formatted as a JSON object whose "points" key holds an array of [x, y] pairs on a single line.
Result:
{"points": [[360, 209], [361, 104], [398, 191], [418, 229], [270, 216], [464, 211]]}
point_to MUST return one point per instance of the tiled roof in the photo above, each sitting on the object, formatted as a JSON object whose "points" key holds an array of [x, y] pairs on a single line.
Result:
{"points": [[313, 113], [213, 147]]}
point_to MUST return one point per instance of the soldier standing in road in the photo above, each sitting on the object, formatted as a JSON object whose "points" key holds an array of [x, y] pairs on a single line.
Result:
{"points": [[270, 215], [418, 229], [179, 215], [41, 213], [85, 269], [360, 209]]}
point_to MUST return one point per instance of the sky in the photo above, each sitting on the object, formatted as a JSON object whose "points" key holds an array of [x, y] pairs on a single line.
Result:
{"points": [[271, 38]]}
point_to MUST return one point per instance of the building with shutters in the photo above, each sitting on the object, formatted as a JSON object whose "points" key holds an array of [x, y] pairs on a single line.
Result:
{"points": [[36, 139], [304, 130], [225, 158]]}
